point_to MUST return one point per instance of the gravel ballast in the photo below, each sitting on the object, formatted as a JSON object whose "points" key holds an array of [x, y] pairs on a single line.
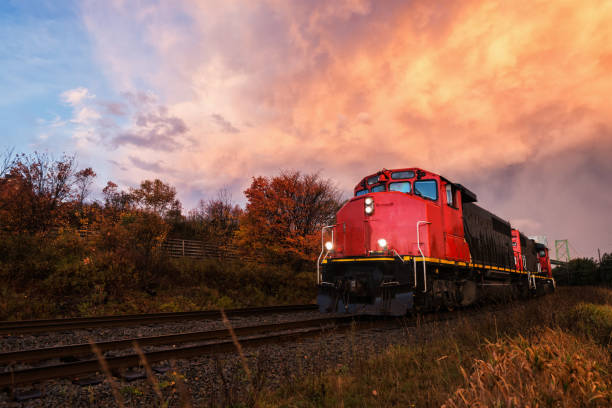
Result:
{"points": [[221, 379]]}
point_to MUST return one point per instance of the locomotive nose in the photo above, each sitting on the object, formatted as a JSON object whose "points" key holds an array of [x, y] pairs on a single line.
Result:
{"points": [[389, 227]]}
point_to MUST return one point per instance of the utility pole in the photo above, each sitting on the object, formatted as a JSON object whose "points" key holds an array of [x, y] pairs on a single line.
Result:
{"points": [[599, 255]]}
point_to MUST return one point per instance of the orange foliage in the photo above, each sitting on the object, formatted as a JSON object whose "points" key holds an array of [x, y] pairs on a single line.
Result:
{"points": [[284, 216]]}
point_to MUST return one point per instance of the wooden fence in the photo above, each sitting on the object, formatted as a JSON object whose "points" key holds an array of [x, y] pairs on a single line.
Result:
{"points": [[186, 248], [177, 248]]}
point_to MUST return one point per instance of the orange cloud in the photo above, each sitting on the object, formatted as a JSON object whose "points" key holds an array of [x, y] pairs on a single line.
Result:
{"points": [[352, 86]]}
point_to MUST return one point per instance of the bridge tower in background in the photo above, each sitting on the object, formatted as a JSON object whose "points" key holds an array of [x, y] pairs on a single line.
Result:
{"points": [[562, 252]]}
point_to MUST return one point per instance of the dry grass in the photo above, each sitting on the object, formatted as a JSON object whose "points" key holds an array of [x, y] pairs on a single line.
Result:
{"points": [[551, 351], [534, 354], [552, 368]]}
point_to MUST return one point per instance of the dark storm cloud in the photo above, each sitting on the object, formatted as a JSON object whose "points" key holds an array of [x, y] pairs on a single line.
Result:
{"points": [[564, 196]]}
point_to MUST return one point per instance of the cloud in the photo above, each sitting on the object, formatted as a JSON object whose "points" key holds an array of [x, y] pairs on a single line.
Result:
{"points": [[464, 88], [224, 124], [135, 119], [76, 96], [85, 116], [118, 165], [114, 108], [156, 167], [152, 128]]}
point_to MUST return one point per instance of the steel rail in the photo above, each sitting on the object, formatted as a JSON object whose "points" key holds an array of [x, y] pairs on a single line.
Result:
{"points": [[32, 375], [41, 326], [339, 324], [75, 350]]}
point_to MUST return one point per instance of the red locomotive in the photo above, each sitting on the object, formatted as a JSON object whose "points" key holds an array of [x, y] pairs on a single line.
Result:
{"points": [[410, 238]]}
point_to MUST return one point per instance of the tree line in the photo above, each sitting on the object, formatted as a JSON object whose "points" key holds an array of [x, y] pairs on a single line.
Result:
{"points": [[585, 271], [45, 201]]}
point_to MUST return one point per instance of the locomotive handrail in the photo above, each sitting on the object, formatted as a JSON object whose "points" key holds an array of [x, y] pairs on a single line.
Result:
{"points": [[398, 255], [323, 250], [422, 256]]}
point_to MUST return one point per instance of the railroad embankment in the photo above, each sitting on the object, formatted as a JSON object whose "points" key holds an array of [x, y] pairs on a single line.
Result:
{"points": [[549, 351]]}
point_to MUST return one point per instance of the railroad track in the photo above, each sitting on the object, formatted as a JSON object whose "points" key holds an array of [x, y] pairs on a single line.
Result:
{"points": [[217, 341], [49, 325], [249, 336]]}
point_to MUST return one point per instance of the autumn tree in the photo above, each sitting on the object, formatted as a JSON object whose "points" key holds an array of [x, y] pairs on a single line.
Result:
{"points": [[35, 192], [157, 197], [83, 179], [284, 216], [6, 162], [216, 220], [139, 225]]}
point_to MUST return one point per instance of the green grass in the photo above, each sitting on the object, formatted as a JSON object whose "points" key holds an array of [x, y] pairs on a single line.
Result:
{"points": [[592, 320]]}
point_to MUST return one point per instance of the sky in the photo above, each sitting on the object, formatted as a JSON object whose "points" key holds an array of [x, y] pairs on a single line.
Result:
{"points": [[511, 99]]}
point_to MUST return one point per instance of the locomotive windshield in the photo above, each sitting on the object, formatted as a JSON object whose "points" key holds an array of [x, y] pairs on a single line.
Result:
{"points": [[361, 192], [397, 175], [372, 180], [402, 186], [427, 189], [378, 188]]}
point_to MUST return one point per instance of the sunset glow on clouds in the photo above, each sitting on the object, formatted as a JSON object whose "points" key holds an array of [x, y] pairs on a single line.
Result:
{"points": [[511, 99]]}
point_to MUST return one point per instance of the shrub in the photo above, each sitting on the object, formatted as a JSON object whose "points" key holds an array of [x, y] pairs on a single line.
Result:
{"points": [[592, 320]]}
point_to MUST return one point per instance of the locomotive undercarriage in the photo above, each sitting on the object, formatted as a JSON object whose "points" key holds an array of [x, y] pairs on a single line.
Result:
{"points": [[388, 287]]}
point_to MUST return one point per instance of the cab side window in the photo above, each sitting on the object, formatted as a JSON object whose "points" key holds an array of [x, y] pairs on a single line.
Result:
{"points": [[427, 189], [451, 194]]}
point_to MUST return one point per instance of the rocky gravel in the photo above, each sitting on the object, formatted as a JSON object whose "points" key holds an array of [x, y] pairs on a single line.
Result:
{"points": [[80, 336], [221, 380]]}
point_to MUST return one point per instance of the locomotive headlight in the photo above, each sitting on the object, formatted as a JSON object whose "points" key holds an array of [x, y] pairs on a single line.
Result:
{"points": [[369, 205], [382, 243], [329, 245]]}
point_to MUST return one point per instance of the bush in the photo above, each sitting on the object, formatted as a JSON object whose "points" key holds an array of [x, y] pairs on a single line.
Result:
{"points": [[249, 284], [51, 271], [594, 321]]}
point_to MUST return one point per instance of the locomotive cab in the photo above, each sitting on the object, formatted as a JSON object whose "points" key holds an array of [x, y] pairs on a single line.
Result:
{"points": [[389, 207]]}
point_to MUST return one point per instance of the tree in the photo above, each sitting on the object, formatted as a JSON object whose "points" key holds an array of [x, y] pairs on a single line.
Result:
{"points": [[35, 191], [582, 271], [7, 161], [218, 219], [116, 200], [157, 197], [284, 215], [83, 180], [605, 268]]}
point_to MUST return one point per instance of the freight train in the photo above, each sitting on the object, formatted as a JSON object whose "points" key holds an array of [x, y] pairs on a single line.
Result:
{"points": [[410, 239]]}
